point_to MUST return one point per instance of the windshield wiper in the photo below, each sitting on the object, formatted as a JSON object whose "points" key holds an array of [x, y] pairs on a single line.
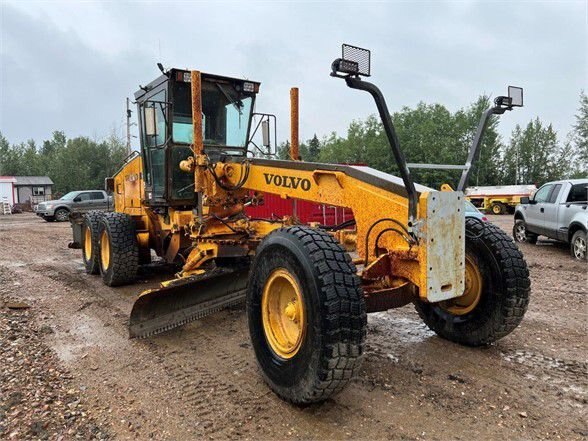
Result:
{"points": [[229, 99]]}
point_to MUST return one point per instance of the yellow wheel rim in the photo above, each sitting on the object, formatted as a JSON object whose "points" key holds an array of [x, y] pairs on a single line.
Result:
{"points": [[472, 294], [87, 244], [104, 250], [496, 209], [282, 310]]}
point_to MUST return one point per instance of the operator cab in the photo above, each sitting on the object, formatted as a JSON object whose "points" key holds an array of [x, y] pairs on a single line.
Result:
{"points": [[165, 129]]}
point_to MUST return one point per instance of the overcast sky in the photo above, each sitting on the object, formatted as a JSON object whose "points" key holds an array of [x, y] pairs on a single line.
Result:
{"points": [[69, 66]]}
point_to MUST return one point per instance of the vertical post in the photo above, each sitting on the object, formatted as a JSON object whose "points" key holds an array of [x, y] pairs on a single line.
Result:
{"points": [[197, 144], [475, 147], [128, 127], [294, 121], [294, 142]]}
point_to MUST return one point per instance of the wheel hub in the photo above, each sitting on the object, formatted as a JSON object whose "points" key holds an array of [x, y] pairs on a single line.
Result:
{"points": [[472, 293], [521, 233], [104, 250], [580, 248], [87, 244], [282, 312]]}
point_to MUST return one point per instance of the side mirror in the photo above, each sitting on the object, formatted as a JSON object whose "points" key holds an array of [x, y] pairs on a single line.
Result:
{"points": [[150, 121], [109, 185], [525, 200], [77, 199], [265, 133], [516, 96]]}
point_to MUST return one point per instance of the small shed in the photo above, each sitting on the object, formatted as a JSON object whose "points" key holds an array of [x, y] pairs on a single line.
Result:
{"points": [[7, 189], [32, 189]]}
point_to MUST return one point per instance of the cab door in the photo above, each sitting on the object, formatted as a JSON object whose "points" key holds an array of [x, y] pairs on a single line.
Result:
{"points": [[154, 134], [535, 210], [550, 212], [82, 202]]}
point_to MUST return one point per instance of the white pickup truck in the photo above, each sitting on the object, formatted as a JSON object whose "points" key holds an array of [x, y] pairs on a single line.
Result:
{"points": [[557, 210]]}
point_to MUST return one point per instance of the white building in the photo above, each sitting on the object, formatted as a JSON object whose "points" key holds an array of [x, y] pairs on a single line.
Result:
{"points": [[7, 189]]}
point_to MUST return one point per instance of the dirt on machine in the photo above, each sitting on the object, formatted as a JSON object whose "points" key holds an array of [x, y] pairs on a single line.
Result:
{"points": [[183, 197]]}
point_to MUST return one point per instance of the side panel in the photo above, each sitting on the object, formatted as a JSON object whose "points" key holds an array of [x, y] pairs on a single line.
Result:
{"points": [[128, 188]]}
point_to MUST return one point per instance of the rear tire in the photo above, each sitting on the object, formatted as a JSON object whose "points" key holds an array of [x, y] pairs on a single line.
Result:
{"points": [[119, 251], [520, 233], [505, 289], [497, 208], [90, 247], [578, 245], [330, 312]]}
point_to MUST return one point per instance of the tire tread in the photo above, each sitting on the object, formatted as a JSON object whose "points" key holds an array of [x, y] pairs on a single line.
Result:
{"points": [[343, 314], [515, 293]]}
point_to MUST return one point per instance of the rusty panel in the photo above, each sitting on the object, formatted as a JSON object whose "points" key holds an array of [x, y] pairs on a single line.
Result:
{"points": [[445, 244]]}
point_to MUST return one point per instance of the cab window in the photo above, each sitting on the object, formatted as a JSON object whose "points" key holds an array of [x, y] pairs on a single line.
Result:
{"points": [[158, 103], [543, 193], [82, 197], [153, 144], [225, 114], [578, 193], [554, 193]]}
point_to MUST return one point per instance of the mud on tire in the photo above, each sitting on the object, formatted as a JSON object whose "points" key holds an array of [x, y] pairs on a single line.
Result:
{"points": [[505, 290], [123, 260], [91, 261], [331, 351]]}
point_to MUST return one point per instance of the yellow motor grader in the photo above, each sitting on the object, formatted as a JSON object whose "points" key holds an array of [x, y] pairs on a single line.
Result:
{"points": [[184, 197]]}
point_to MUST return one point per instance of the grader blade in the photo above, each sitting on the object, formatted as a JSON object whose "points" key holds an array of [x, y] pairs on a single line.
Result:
{"points": [[187, 299]]}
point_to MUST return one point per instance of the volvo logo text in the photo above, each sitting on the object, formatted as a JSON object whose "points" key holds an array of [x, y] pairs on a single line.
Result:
{"points": [[287, 181]]}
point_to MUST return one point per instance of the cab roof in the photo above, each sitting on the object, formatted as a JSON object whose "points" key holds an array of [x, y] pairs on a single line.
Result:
{"points": [[172, 74]]}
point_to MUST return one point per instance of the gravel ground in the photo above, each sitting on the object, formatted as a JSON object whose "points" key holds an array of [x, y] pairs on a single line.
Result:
{"points": [[38, 399], [69, 370]]}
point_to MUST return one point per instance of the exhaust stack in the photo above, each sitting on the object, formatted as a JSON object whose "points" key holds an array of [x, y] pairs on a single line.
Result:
{"points": [[294, 143]]}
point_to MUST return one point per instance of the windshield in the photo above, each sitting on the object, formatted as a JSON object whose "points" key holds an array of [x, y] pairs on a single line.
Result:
{"points": [[225, 114], [69, 196], [470, 208]]}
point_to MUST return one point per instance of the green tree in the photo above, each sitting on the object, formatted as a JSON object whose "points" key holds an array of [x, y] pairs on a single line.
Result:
{"points": [[579, 137], [74, 164], [429, 133], [314, 149], [533, 155]]}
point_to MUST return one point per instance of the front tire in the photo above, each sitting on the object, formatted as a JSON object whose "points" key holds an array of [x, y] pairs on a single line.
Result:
{"points": [[306, 314], [502, 286], [520, 233], [578, 245], [61, 215], [119, 251], [90, 247]]}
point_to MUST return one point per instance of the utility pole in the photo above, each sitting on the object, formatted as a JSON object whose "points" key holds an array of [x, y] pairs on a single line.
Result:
{"points": [[128, 127]]}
